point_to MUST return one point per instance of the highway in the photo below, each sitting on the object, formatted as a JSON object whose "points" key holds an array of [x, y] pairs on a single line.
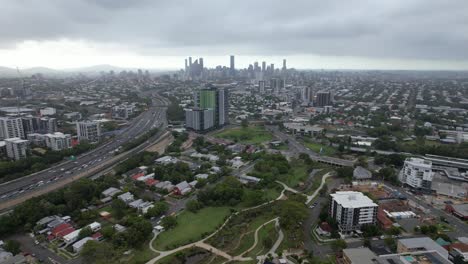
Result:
{"points": [[86, 164], [301, 148]]}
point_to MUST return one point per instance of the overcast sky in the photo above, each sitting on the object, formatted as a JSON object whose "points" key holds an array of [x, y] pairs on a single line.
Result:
{"points": [[310, 34]]}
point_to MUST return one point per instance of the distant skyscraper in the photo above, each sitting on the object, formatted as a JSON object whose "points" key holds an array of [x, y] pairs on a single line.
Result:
{"points": [[261, 86], [307, 94], [232, 68], [186, 65], [284, 64], [190, 61], [263, 66], [323, 99], [201, 63], [272, 67]]}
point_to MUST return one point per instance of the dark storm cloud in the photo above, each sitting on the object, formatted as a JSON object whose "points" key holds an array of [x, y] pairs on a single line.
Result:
{"points": [[415, 29]]}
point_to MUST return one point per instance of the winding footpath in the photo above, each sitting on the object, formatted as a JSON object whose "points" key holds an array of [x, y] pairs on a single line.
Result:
{"points": [[201, 243], [309, 197]]}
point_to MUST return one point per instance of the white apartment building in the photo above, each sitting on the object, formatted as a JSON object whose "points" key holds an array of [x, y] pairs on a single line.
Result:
{"points": [[352, 210], [88, 130], [11, 127], [58, 141], [16, 148], [417, 173]]}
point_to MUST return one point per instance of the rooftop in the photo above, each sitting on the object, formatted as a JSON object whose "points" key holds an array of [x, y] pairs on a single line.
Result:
{"points": [[360, 255], [351, 199], [423, 243]]}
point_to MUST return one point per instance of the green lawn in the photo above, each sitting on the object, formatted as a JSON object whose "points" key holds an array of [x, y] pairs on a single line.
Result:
{"points": [[140, 256], [246, 135], [191, 226], [326, 150], [298, 173]]}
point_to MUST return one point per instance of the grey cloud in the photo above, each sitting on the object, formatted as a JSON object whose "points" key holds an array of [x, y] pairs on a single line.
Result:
{"points": [[416, 29]]}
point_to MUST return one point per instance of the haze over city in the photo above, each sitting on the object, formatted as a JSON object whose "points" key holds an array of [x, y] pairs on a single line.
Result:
{"points": [[420, 34], [233, 132]]}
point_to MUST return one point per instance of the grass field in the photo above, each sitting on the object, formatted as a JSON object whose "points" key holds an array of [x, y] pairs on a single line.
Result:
{"points": [[238, 235], [191, 226], [298, 173], [326, 150], [246, 135], [140, 256]]}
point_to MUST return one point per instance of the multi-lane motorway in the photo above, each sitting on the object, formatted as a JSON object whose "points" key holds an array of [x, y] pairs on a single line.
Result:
{"points": [[14, 192]]}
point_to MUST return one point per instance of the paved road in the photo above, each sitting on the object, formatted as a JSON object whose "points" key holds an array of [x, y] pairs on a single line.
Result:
{"points": [[40, 252], [87, 163], [300, 148], [460, 226]]}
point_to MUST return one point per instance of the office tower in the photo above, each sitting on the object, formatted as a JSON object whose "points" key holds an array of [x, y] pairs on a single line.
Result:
{"points": [[263, 66], [272, 67], [190, 61], [256, 67], [232, 68], [186, 66], [11, 127], [307, 95], [417, 173], [88, 130], [323, 99], [284, 64], [199, 119], [200, 62], [261, 86], [352, 210], [16, 148]]}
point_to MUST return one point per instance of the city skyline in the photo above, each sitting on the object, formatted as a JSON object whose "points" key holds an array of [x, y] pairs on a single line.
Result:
{"points": [[396, 35]]}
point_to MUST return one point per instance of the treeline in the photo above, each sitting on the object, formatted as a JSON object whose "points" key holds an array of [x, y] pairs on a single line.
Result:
{"points": [[139, 140], [174, 111], [67, 201], [10, 170]]}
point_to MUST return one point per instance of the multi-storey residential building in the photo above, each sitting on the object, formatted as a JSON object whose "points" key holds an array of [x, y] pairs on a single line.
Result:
{"points": [[36, 124], [11, 127], [58, 141], [122, 111], [199, 119], [88, 130], [17, 148], [417, 173], [352, 210], [209, 101]]}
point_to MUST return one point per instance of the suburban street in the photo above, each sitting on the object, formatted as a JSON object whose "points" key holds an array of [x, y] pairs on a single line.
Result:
{"points": [[298, 147]]}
